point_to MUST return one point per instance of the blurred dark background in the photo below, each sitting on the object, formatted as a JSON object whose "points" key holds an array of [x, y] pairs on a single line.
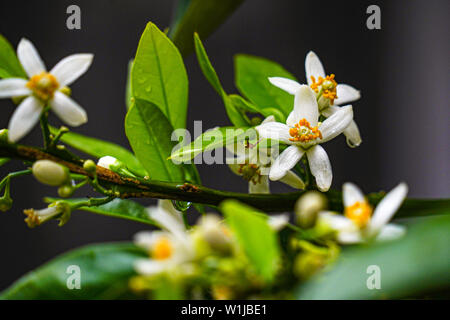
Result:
{"points": [[402, 71]]}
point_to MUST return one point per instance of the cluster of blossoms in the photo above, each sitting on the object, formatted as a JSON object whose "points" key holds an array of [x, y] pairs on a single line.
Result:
{"points": [[303, 131], [206, 260]]}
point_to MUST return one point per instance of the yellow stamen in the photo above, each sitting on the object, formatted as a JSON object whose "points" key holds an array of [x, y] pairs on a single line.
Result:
{"points": [[43, 85], [162, 249], [303, 132], [328, 86], [359, 213]]}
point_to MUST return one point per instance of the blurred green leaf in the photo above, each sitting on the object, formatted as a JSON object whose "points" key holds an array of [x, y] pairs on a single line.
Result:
{"points": [[105, 271], [149, 133], [210, 140], [416, 264], [10, 66], [252, 75], [4, 161], [159, 76], [254, 235], [201, 16], [100, 148], [129, 90], [237, 118], [118, 208]]}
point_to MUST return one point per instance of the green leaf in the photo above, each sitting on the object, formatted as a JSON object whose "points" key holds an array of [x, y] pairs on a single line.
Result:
{"points": [[100, 148], [129, 91], [234, 115], [254, 235], [105, 271], [159, 76], [149, 133], [10, 66], [202, 16], [118, 208], [240, 103], [4, 161], [414, 265], [210, 140], [252, 75]]}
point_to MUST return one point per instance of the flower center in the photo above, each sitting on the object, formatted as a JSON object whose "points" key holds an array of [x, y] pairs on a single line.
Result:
{"points": [[359, 213], [162, 249], [303, 132], [250, 172], [43, 85], [326, 86]]}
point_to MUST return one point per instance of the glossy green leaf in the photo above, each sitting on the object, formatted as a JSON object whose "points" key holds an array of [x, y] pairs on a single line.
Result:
{"points": [[240, 103], [202, 16], [105, 270], [149, 133], [414, 265], [10, 66], [252, 75], [4, 161], [236, 117], [159, 76], [100, 148], [118, 208], [255, 236], [210, 140]]}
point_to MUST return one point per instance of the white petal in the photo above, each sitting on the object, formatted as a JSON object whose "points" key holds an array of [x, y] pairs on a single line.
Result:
{"points": [[320, 167], [352, 194], [144, 239], [285, 162], [150, 266], [293, 180], [71, 68], [386, 209], [278, 222], [337, 222], [24, 118], [274, 130], [262, 187], [346, 94], [305, 106], [68, 110], [291, 119], [288, 85], [336, 124], [13, 87], [269, 119], [167, 217], [349, 237], [391, 232], [352, 134], [29, 58], [313, 67]]}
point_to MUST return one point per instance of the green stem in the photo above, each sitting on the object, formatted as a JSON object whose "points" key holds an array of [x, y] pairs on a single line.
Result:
{"points": [[44, 128], [13, 175]]}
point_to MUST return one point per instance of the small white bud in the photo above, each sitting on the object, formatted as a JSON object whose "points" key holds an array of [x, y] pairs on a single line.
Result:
{"points": [[214, 233], [50, 173], [307, 208]]}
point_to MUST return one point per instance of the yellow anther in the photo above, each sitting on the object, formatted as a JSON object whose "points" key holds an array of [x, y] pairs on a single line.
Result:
{"points": [[162, 249], [43, 85], [303, 132], [328, 85], [359, 213]]}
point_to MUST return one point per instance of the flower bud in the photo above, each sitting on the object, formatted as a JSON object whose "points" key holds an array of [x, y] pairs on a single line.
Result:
{"points": [[65, 191], [255, 121], [5, 203], [308, 206], [214, 233], [4, 136], [89, 166], [59, 209], [50, 173], [115, 165]]}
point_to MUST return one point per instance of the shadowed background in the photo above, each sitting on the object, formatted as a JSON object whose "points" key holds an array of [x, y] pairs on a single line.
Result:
{"points": [[401, 70]]}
